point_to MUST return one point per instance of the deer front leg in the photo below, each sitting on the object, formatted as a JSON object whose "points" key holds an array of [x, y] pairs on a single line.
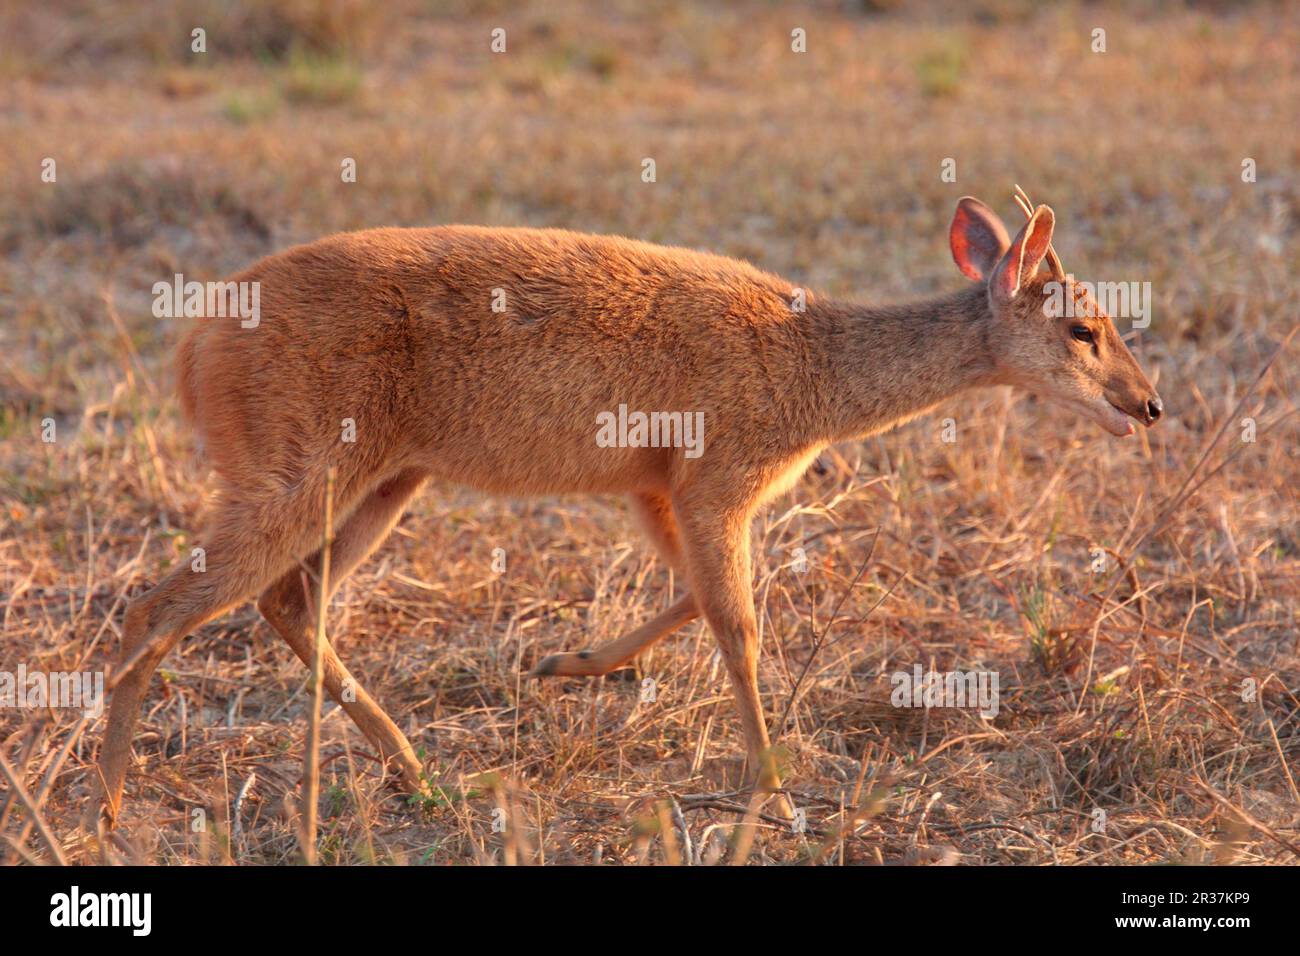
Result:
{"points": [[654, 512], [607, 657], [717, 557]]}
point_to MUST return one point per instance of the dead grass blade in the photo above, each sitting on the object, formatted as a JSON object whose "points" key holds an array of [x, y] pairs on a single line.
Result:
{"points": [[311, 759]]}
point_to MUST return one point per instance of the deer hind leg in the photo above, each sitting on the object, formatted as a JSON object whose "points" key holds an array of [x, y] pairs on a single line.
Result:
{"points": [[655, 515], [290, 609], [718, 563], [248, 544]]}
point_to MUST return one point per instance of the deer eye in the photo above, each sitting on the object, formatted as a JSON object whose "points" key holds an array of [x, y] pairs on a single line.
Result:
{"points": [[1082, 333]]}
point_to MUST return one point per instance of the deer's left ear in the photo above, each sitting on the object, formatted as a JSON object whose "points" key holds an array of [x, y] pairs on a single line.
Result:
{"points": [[1025, 255], [977, 238]]}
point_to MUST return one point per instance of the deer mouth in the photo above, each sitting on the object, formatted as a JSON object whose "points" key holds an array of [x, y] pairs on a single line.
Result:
{"points": [[1115, 420], [1106, 414]]}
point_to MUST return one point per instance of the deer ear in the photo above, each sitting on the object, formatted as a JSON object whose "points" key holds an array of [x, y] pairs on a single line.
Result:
{"points": [[977, 238], [1025, 255]]}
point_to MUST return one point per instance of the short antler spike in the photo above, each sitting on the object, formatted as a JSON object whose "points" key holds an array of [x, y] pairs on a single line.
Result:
{"points": [[1053, 260]]}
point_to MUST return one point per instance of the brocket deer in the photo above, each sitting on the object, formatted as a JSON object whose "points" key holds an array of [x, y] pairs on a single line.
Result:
{"points": [[490, 358]]}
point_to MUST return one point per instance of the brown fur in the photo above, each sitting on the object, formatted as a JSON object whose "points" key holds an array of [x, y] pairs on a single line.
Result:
{"points": [[393, 328]]}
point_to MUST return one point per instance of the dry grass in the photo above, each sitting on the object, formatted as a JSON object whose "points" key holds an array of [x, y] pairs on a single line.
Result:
{"points": [[1121, 691]]}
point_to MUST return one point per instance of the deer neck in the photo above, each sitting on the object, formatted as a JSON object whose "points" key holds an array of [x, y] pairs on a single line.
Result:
{"points": [[880, 366]]}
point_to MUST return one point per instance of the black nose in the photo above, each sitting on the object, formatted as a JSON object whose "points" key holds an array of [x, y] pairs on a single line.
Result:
{"points": [[1155, 408]]}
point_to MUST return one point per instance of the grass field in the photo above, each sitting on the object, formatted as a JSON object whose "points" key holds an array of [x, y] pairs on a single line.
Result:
{"points": [[1138, 599]]}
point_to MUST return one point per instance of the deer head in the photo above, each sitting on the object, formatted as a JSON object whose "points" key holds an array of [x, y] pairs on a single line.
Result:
{"points": [[1074, 356]]}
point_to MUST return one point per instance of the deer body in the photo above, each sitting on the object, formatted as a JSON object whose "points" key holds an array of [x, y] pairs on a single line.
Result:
{"points": [[394, 331]]}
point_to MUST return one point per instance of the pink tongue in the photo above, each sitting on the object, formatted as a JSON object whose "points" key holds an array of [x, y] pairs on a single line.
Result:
{"points": [[1130, 429]]}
